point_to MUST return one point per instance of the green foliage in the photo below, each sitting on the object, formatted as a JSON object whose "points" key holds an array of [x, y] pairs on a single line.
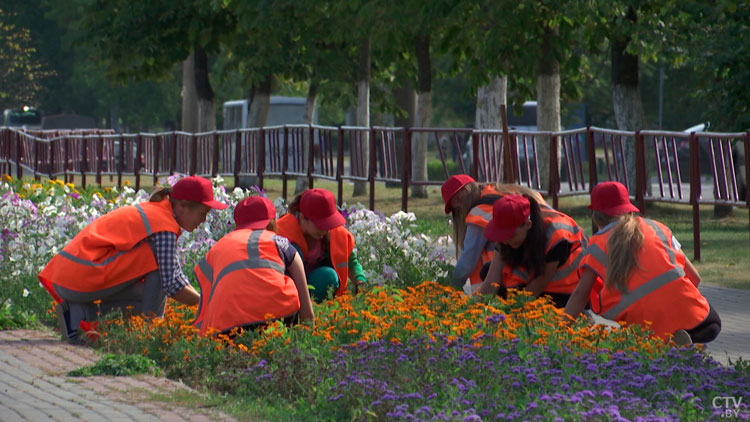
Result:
{"points": [[12, 317], [119, 366], [435, 170], [22, 70]]}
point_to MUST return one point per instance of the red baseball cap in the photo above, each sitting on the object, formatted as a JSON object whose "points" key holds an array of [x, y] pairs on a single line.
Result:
{"points": [[612, 199], [451, 187], [254, 212], [319, 206], [508, 213], [196, 189]]}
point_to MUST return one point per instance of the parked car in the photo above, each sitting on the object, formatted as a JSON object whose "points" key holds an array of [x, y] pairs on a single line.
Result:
{"points": [[25, 117]]}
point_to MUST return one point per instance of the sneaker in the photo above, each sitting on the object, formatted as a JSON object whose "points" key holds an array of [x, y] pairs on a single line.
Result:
{"points": [[63, 322], [682, 338]]}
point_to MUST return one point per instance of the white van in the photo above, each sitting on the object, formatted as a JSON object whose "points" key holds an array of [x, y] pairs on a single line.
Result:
{"points": [[282, 111]]}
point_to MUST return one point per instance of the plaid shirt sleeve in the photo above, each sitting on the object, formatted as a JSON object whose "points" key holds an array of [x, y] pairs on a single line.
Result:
{"points": [[165, 249]]}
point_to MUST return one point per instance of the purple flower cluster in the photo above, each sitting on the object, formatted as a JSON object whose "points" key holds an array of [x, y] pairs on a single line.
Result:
{"points": [[450, 380]]}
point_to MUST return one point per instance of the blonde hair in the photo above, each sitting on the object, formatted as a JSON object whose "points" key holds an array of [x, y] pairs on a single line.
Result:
{"points": [[472, 193], [622, 247], [160, 193]]}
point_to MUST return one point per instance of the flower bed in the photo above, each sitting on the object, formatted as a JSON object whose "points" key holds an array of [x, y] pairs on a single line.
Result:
{"points": [[402, 350]]}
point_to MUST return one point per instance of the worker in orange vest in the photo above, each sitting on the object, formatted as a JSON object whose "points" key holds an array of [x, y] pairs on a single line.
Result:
{"points": [[251, 275], [126, 259], [635, 271], [538, 249], [316, 228], [470, 205]]}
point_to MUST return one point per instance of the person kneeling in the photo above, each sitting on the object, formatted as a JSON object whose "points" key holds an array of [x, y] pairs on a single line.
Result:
{"points": [[251, 275]]}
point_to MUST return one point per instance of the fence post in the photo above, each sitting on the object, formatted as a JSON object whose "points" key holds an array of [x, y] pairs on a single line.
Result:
{"points": [[591, 154], [747, 174], [173, 155], [121, 163], [474, 154], [405, 169], [52, 160], [99, 159], [138, 162], [84, 161], [261, 155], [285, 164], [19, 148], [193, 154], [237, 157], [157, 156], [215, 161], [695, 191], [311, 158], [36, 159], [371, 172], [340, 167], [554, 171], [640, 168]]}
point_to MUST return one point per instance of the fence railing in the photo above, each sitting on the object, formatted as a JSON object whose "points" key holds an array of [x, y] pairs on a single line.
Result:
{"points": [[694, 169]]}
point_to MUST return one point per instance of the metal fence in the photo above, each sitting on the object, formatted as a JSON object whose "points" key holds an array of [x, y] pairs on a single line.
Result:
{"points": [[694, 169]]}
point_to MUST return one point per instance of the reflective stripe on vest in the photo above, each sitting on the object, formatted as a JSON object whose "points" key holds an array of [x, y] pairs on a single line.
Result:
{"points": [[478, 212], [79, 260], [642, 291], [253, 261]]}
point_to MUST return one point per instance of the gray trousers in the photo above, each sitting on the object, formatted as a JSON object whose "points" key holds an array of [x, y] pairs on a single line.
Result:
{"points": [[131, 298]]}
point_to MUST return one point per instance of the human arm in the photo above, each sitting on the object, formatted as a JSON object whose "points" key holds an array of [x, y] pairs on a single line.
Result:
{"points": [[474, 244], [297, 271], [494, 277], [580, 295], [187, 295], [356, 274], [692, 273], [554, 259], [174, 282], [539, 283]]}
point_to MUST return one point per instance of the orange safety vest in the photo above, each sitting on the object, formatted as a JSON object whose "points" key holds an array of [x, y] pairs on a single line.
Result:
{"points": [[242, 280], [558, 226], [658, 289], [340, 241], [480, 215], [111, 250]]}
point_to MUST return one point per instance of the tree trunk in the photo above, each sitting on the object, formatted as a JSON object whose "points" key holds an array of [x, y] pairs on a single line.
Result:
{"points": [[189, 96], [424, 114], [548, 105], [363, 114], [260, 100], [406, 100], [626, 98], [260, 103], [307, 118], [487, 116], [205, 94]]}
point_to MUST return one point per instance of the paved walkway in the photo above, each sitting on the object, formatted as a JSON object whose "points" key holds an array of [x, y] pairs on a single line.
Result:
{"points": [[34, 387]]}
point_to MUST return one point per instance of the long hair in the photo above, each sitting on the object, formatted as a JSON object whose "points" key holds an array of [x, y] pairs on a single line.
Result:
{"points": [[160, 193], [623, 244], [601, 219], [471, 197], [530, 254]]}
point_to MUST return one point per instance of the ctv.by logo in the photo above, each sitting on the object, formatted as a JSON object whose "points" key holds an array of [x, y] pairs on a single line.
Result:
{"points": [[729, 404]]}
